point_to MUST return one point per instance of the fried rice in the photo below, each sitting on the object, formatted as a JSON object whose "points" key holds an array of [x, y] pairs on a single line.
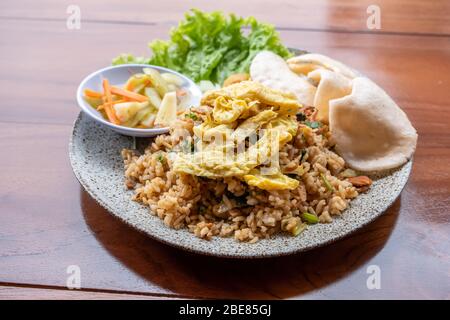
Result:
{"points": [[229, 207]]}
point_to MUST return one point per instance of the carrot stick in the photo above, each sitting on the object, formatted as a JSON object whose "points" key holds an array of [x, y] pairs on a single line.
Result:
{"points": [[110, 114], [92, 94], [108, 102], [107, 90], [129, 86], [129, 94], [102, 106]]}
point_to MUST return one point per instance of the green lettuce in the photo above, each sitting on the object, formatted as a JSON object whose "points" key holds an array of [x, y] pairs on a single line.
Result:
{"points": [[211, 46]]}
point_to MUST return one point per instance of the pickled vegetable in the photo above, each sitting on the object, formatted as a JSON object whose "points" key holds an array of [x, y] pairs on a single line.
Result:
{"points": [[147, 99], [167, 112], [157, 80]]}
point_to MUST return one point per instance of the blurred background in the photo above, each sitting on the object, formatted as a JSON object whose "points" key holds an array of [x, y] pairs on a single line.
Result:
{"points": [[48, 222]]}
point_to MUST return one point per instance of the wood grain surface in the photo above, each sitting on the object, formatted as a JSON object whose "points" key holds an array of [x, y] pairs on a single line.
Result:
{"points": [[47, 222]]}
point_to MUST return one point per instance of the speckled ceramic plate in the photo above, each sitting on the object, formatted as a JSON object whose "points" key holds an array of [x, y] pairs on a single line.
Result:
{"points": [[95, 157]]}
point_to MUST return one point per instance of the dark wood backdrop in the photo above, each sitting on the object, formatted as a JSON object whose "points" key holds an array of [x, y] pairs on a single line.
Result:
{"points": [[47, 221]]}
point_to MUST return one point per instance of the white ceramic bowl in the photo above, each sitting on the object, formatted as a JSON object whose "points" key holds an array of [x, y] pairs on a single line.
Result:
{"points": [[119, 75]]}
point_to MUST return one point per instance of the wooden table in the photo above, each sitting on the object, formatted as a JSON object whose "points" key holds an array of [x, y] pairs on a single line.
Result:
{"points": [[48, 222]]}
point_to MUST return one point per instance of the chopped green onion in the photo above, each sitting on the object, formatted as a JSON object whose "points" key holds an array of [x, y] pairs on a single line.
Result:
{"points": [[160, 157], [313, 124], [309, 218], [326, 182], [191, 115]]}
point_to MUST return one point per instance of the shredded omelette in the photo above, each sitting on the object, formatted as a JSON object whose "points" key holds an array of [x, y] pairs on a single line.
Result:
{"points": [[241, 138]]}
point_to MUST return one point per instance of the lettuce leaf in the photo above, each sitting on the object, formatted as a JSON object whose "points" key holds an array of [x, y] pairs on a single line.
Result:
{"points": [[126, 58], [211, 46]]}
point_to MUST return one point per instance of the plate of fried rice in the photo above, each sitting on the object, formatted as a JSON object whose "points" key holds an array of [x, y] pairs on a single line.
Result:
{"points": [[232, 144], [249, 172]]}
